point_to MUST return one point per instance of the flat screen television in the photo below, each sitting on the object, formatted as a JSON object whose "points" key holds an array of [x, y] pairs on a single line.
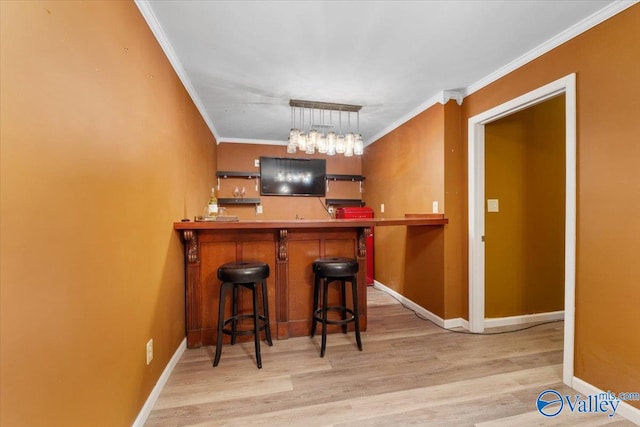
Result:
{"points": [[285, 176]]}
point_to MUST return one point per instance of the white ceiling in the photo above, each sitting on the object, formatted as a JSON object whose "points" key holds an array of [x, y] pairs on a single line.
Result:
{"points": [[242, 61]]}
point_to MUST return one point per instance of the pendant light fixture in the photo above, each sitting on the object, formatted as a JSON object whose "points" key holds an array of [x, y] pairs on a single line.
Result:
{"points": [[315, 138]]}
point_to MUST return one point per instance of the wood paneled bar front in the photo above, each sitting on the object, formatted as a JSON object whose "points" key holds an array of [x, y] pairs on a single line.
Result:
{"points": [[289, 247]]}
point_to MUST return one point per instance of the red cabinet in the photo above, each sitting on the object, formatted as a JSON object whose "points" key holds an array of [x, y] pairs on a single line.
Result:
{"points": [[357, 213]]}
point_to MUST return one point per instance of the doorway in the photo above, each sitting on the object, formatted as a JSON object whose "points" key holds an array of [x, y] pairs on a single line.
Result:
{"points": [[524, 216], [476, 173]]}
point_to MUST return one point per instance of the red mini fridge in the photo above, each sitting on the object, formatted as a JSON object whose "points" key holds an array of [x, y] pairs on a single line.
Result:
{"points": [[357, 213]]}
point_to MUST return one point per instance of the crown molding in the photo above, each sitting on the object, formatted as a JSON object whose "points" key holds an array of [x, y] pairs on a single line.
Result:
{"points": [[252, 141], [438, 98], [568, 34], [447, 95], [441, 97], [163, 40]]}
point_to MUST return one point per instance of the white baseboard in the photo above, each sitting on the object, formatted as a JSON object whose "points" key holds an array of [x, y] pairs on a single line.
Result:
{"points": [[153, 396], [446, 324], [520, 320], [625, 410], [459, 322]]}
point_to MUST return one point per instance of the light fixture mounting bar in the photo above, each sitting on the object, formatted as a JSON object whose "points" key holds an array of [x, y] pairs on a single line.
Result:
{"points": [[324, 105]]}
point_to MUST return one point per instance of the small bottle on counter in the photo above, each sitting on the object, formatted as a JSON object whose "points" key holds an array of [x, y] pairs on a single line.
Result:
{"points": [[213, 204]]}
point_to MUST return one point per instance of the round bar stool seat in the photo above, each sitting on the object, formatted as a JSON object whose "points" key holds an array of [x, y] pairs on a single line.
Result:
{"points": [[253, 276], [326, 271]]}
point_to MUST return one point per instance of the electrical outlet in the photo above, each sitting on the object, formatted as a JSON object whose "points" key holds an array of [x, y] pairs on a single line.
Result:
{"points": [[256, 163], [434, 208], [258, 209], [381, 207], [150, 351]]}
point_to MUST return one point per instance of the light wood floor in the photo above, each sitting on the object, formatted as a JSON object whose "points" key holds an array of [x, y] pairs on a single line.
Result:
{"points": [[411, 372]]}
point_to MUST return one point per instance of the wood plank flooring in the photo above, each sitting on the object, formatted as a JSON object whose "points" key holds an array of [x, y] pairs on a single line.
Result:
{"points": [[411, 372]]}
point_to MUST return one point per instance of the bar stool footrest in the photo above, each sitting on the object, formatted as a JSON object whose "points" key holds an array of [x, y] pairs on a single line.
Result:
{"points": [[261, 327], [318, 315]]}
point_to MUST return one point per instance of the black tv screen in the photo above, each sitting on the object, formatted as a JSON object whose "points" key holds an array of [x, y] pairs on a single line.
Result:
{"points": [[285, 176]]}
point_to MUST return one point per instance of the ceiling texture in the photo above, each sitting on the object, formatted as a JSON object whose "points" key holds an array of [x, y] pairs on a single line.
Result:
{"points": [[242, 61]]}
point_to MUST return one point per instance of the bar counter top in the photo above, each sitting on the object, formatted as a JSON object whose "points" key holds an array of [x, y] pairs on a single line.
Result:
{"points": [[410, 220]]}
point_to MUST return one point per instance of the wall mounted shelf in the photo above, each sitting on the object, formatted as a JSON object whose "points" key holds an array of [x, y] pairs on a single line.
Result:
{"points": [[335, 177], [344, 202], [236, 174], [244, 201]]}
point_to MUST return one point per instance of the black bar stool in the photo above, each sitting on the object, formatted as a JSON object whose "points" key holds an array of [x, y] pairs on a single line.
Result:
{"points": [[248, 275], [328, 270]]}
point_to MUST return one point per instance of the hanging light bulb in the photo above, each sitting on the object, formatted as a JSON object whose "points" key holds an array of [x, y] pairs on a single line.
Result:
{"points": [[321, 140], [331, 143], [348, 143], [311, 149], [349, 137], [321, 144], [340, 145], [302, 137], [312, 138], [293, 133], [293, 136], [358, 145], [302, 141]]}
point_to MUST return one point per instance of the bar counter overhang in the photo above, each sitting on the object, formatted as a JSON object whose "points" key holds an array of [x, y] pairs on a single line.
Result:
{"points": [[289, 247]]}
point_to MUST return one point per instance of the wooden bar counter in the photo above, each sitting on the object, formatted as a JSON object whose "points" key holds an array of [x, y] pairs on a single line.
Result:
{"points": [[289, 247]]}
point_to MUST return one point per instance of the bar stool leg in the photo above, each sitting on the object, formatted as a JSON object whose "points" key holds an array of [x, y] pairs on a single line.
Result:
{"points": [[265, 309], [356, 314], [234, 314], [256, 335], [316, 291], [343, 302], [223, 288], [325, 291]]}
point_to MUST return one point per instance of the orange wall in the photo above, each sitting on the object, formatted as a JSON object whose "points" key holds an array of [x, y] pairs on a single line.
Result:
{"points": [[101, 151], [455, 236], [240, 157], [405, 172], [524, 247], [605, 60]]}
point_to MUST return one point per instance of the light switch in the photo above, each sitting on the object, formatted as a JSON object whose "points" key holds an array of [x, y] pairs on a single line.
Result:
{"points": [[493, 205]]}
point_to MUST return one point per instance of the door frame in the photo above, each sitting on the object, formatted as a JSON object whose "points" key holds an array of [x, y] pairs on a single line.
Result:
{"points": [[476, 169]]}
